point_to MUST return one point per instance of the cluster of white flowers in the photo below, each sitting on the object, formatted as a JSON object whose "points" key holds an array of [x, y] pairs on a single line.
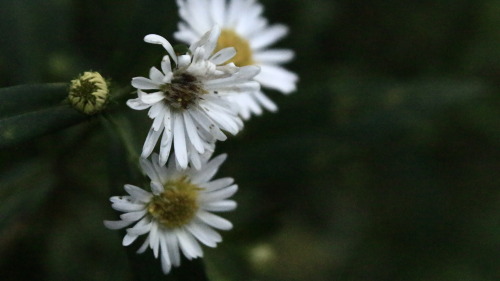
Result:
{"points": [[194, 100]]}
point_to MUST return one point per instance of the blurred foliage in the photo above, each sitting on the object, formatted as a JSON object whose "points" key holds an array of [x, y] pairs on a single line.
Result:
{"points": [[382, 166]]}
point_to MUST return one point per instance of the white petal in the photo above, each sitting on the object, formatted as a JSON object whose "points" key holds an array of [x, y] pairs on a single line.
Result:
{"points": [[189, 245], [278, 78], [244, 74], [140, 228], [166, 140], [265, 101], [218, 11], [173, 249], [144, 83], [144, 246], [117, 224], [133, 216], [138, 193], [217, 184], [137, 104], [220, 194], [273, 56], [186, 34], [155, 110], [204, 234], [209, 170], [268, 36], [223, 55], [149, 169], [236, 89], [150, 142], [156, 75], [207, 124], [154, 239], [165, 259], [192, 133], [123, 206], [157, 39], [180, 141], [128, 239], [214, 220], [250, 20], [220, 206], [156, 187], [166, 66], [208, 41], [152, 98], [230, 123], [158, 121]]}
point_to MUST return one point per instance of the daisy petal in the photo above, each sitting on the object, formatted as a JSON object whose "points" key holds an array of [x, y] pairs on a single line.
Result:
{"points": [[220, 206], [189, 245], [273, 56], [278, 78], [214, 220], [117, 224], [144, 83], [166, 265], [180, 141], [157, 39], [268, 36]]}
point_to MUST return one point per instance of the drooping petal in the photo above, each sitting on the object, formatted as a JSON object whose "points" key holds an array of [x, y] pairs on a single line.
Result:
{"points": [[157, 39]]}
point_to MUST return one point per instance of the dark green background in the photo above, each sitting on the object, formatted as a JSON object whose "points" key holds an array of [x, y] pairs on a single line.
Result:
{"points": [[382, 166]]}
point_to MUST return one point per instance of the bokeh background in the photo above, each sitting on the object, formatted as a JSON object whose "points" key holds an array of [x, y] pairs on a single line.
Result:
{"points": [[382, 166]]}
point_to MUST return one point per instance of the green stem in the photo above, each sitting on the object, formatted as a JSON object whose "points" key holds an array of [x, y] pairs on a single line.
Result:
{"points": [[118, 125]]}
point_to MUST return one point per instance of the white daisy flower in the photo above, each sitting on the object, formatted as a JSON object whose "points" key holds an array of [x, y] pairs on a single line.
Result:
{"points": [[245, 29], [177, 213], [188, 101]]}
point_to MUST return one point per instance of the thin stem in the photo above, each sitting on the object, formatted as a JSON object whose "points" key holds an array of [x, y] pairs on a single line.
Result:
{"points": [[117, 125]]}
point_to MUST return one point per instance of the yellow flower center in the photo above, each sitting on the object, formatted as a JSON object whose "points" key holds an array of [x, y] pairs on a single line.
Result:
{"points": [[229, 38], [177, 205]]}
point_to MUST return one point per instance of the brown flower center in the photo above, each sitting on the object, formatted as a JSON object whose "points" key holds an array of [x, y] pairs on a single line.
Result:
{"points": [[183, 91]]}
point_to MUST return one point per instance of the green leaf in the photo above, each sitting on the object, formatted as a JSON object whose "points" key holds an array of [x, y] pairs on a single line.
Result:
{"points": [[25, 98], [24, 188], [28, 125]]}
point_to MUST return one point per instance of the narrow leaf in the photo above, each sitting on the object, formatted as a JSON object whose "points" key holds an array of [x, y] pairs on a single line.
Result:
{"points": [[28, 125], [25, 98]]}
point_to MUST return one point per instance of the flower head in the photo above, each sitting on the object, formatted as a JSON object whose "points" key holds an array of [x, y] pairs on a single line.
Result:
{"points": [[177, 213], [243, 28], [89, 93], [189, 101]]}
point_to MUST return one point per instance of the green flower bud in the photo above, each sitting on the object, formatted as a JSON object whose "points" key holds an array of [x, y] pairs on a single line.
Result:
{"points": [[89, 93]]}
